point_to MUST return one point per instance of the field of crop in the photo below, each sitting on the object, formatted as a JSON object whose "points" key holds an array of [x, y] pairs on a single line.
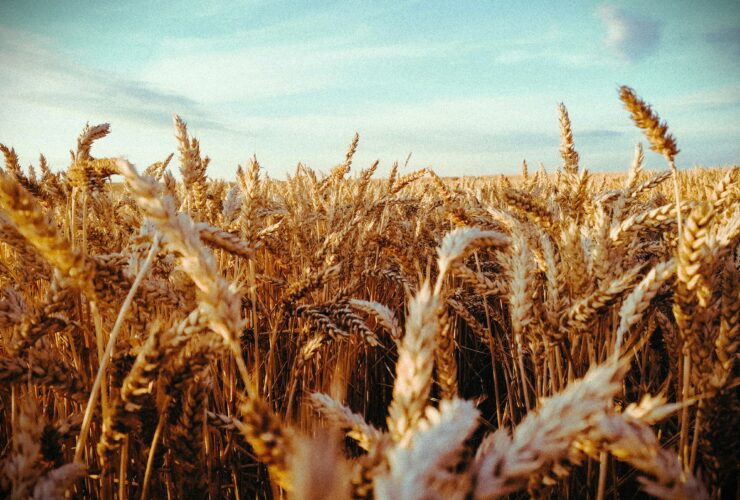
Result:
{"points": [[561, 335]]}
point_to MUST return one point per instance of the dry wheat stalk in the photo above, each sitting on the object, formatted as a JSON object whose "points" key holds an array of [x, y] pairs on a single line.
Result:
{"points": [[544, 272], [630, 439]]}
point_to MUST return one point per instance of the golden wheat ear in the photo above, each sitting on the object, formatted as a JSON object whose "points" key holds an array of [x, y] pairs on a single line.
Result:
{"points": [[644, 117], [427, 461]]}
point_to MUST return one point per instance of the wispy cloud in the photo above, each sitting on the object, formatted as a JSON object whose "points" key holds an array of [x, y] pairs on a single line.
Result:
{"points": [[44, 77], [582, 59], [722, 98], [47, 98], [552, 47], [214, 72], [629, 36]]}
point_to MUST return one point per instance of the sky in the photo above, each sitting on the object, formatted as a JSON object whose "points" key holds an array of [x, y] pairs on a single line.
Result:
{"points": [[469, 88]]}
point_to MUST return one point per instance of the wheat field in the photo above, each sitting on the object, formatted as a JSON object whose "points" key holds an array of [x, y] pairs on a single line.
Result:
{"points": [[551, 335]]}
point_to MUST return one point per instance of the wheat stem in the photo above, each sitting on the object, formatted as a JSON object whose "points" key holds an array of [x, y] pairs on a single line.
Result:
{"points": [[109, 348]]}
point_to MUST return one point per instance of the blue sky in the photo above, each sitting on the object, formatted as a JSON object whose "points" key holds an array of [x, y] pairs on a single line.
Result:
{"points": [[469, 87]]}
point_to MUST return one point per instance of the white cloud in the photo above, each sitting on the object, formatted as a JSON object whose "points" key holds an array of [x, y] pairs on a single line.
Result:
{"points": [[720, 98], [223, 71], [582, 59], [46, 98], [629, 36], [43, 77]]}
